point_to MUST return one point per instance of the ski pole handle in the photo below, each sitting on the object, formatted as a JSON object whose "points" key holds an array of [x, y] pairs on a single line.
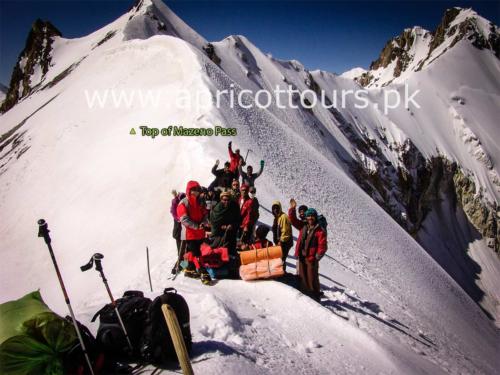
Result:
{"points": [[43, 231]]}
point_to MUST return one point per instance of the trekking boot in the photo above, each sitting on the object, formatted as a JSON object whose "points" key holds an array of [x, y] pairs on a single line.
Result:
{"points": [[192, 274], [205, 278]]}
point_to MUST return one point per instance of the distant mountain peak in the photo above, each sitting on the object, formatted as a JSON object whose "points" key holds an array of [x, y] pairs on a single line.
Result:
{"points": [[33, 62], [152, 17], [415, 48]]}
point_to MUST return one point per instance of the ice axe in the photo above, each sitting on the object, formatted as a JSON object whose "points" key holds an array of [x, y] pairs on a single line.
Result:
{"points": [[43, 231], [97, 258], [249, 150]]}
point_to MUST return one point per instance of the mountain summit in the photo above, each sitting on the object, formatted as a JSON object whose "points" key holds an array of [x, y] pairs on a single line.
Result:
{"points": [[417, 48]]}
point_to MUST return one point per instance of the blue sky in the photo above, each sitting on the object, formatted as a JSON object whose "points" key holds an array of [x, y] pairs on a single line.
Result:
{"points": [[328, 35]]}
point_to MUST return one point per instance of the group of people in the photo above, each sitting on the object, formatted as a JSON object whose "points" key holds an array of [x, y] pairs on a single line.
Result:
{"points": [[226, 213]]}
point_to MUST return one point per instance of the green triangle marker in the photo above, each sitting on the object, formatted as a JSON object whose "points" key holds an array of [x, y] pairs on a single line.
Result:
{"points": [[132, 131]]}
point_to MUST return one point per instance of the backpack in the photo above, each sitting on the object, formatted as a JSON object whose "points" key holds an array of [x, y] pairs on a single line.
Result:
{"points": [[156, 344], [133, 308], [322, 222], [74, 361]]}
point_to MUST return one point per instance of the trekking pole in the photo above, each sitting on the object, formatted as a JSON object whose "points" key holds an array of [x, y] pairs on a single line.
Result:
{"points": [[182, 250], [43, 231], [97, 257], [149, 273]]}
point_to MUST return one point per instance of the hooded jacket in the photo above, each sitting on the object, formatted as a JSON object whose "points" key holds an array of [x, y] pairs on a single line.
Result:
{"points": [[192, 214], [282, 228]]}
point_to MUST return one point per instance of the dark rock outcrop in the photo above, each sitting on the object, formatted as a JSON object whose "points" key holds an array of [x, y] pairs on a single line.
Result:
{"points": [[35, 55]]}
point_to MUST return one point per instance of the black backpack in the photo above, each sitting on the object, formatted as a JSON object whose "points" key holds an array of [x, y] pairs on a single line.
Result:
{"points": [[157, 346], [133, 308]]}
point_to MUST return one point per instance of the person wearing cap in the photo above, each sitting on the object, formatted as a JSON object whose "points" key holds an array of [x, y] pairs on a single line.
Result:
{"points": [[249, 177], [249, 214], [225, 220], [297, 222], [223, 176], [311, 247], [282, 231]]}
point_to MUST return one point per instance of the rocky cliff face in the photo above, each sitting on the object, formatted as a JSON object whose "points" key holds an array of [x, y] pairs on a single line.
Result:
{"points": [[409, 190], [33, 63], [416, 48]]}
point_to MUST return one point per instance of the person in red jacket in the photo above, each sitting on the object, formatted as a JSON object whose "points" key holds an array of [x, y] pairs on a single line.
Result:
{"points": [[194, 218], [311, 247], [234, 158], [249, 214], [297, 222]]}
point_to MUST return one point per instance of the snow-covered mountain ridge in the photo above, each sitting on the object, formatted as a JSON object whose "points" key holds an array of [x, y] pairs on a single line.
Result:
{"points": [[417, 48], [390, 307]]}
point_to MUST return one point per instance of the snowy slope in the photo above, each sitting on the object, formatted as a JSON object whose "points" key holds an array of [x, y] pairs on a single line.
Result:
{"points": [[390, 308], [353, 73]]}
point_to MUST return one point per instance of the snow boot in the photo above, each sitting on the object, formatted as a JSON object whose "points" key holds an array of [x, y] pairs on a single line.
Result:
{"points": [[191, 273], [205, 278]]}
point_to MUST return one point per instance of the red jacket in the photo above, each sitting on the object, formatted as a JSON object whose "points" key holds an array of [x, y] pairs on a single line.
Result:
{"points": [[191, 214], [248, 213], [234, 160], [317, 245], [296, 222]]}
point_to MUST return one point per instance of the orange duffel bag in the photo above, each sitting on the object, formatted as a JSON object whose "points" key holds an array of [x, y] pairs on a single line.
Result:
{"points": [[254, 255], [263, 269]]}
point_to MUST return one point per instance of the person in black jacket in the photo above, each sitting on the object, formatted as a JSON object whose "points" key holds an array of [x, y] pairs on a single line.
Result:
{"points": [[223, 177], [249, 177]]}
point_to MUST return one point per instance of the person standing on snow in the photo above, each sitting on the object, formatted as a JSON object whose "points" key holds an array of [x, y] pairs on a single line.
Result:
{"points": [[282, 231], [297, 222], [311, 247], [176, 232], [249, 214], [249, 177], [194, 219], [225, 220], [235, 159], [223, 177]]}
